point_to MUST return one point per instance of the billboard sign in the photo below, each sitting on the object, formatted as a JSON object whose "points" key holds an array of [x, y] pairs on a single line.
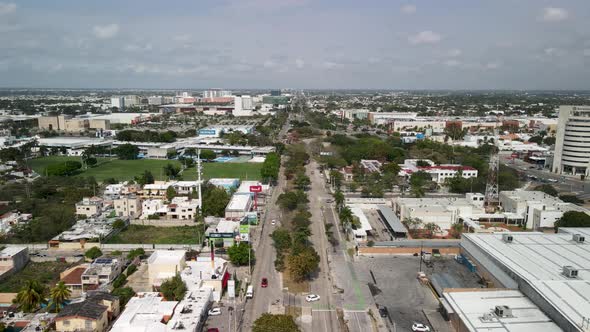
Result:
{"points": [[255, 189]]}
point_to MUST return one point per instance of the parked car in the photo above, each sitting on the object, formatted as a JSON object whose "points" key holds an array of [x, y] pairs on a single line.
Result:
{"points": [[213, 329], [214, 312], [220, 251], [312, 298], [264, 283], [383, 312], [419, 327], [273, 222]]}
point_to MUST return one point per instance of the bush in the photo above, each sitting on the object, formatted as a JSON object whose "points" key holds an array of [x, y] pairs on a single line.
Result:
{"points": [[120, 281], [93, 253], [370, 243], [139, 252]]}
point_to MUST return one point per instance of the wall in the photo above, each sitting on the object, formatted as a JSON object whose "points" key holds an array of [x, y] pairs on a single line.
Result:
{"points": [[163, 222], [79, 324], [404, 250]]}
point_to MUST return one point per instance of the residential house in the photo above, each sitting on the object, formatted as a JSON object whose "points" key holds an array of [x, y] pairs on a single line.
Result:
{"points": [[89, 206], [182, 208], [103, 270], [128, 206], [12, 260], [10, 219], [82, 316]]}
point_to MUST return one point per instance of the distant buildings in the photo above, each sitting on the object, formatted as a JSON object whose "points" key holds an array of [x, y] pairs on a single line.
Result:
{"points": [[243, 106], [216, 93], [439, 173], [383, 118], [217, 131], [572, 147], [118, 102]]}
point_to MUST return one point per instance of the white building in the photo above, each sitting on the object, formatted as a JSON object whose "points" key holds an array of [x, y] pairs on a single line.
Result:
{"points": [[129, 206], [118, 102], [418, 124], [165, 264], [238, 206], [202, 273], [132, 100], [151, 207], [550, 269], [155, 100], [113, 191], [11, 219], [243, 106], [498, 310], [182, 208], [443, 211], [380, 118], [536, 208], [89, 206], [216, 93], [439, 173], [145, 312], [572, 147]]}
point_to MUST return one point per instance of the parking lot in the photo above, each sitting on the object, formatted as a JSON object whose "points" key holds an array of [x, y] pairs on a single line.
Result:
{"points": [[394, 284]]}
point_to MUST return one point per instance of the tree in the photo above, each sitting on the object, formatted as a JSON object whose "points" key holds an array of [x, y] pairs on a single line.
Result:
{"points": [[549, 140], [59, 295], [571, 199], [30, 296], [93, 253], [127, 152], [455, 131], [431, 228], [281, 238], [302, 264], [292, 199], [124, 294], [119, 224], [573, 219], [239, 254], [345, 215], [190, 152], [302, 181], [391, 168], [275, 323], [116, 253], [418, 181], [91, 161], [270, 168], [145, 178], [171, 171], [457, 230], [412, 223], [208, 155], [215, 200], [174, 288], [536, 139], [135, 253], [170, 193], [336, 178], [547, 189], [339, 198]]}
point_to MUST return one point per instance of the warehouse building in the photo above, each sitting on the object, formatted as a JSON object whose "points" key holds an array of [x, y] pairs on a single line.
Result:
{"points": [[552, 270]]}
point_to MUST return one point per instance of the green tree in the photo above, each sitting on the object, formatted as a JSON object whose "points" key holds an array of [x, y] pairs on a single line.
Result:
{"points": [[240, 253], [536, 139], [339, 199], [116, 253], [391, 168], [282, 239], [573, 219], [171, 171], [125, 294], [139, 252], [67, 168], [208, 155], [571, 199], [31, 296], [119, 224], [93, 253], [59, 295], [127, 151], [275, 323], [132, 268], [302, 264], [270, 168], [547, 189], [336, 178], [214, 201], [432, 228], [170, 193], [302, 181], [145, 178], [190, 152], [173, 288], [457, 230], [91, 161]]}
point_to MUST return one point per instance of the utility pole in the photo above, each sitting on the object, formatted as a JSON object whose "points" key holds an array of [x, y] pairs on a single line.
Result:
{"points": [[199, 169]]}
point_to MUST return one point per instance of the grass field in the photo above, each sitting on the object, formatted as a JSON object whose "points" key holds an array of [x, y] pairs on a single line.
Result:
{"points": [[46, 273], [157, 235], [128, 169]]}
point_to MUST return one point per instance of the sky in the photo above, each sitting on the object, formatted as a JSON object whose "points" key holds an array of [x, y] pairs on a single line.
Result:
{"points": [[308, 44]]}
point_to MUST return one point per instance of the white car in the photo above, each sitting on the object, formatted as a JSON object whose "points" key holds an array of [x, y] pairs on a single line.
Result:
{"points": [[214, 312], [273, 222], [312, 298], [419, 327]]}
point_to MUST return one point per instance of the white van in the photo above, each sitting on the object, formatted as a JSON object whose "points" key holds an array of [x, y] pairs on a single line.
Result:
{"points": [[250, 292]]}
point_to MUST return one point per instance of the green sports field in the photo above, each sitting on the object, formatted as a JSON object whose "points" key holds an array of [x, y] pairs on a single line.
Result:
{"points": [[128, 169]]}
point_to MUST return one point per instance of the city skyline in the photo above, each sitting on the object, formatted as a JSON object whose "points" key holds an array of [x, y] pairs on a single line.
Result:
{"points": [[399, 45]]}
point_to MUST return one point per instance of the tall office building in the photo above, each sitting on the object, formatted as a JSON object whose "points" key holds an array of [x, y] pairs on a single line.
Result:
{"points": [[242, 106], [132, 100], [216, 93], [572, 146], [118, 102]]}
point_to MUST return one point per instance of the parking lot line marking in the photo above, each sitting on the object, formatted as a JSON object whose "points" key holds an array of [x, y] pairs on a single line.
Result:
{"points": [[323, 310]]}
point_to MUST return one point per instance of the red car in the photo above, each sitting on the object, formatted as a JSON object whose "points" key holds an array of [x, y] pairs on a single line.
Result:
{"points": [[214, 329], [264, 283]]}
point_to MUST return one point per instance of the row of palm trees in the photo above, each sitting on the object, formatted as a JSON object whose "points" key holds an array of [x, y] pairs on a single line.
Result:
{"points": [[33, 294]]}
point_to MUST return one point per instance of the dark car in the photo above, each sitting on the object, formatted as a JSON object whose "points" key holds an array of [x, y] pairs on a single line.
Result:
{"points": [[213, 329], [383, 312], [221, 251], [264, 283]]}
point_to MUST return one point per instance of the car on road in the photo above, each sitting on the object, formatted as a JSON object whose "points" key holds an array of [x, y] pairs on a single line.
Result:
{"points": [[273, 222], [383, 312], [552, 180], [419, 327], [312, 298], [264, 283], [213, 329], [214, 312], [220, 251]]}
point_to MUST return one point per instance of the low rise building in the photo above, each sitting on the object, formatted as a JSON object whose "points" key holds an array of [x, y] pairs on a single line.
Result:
{"points": [[89, 206], [153, 207], [82, 316], [238, 206], [191, 313], [223, 233], [381, 118], [202, 273], [128, 206], [536, 208], [12, 260], [182, 208], [165, 264], [156, 190], [72, 278], [11, 219], [101, 271], [113, 191], [439, 173], [145, 312], [227, 184], [85, 234]]}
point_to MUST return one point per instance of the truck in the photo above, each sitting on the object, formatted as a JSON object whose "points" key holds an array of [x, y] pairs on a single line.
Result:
{"points": [[250, 292]]}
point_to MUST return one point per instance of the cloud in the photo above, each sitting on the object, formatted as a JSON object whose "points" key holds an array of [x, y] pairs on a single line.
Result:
{"points": [[105, 31], [492, 65], [408, 9], [425, 37], [452, 63], [552, 51], [7, 8], [554, 14], [299, 63], [329, 65], [454, 52], [269, 64], [586, 52]]}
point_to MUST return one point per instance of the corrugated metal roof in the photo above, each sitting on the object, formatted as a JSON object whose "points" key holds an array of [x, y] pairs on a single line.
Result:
{"points": [[391, 219]]}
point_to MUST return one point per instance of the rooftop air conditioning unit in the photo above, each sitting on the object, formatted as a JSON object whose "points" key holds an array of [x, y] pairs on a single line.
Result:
{"points": [[507, 238], [570, 271], [503, 311], [579, 238]]}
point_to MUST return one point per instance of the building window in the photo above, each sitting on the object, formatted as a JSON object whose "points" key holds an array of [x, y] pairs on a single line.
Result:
{"points": [[66, 322]]}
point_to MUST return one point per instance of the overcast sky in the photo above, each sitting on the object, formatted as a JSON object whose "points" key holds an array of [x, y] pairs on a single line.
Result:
{"points": [[426, 44]]}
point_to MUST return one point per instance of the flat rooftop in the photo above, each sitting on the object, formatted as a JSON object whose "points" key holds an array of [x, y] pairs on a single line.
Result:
{"points": [[475, 308], [238, 202], [144, 312], [538, 260], [11, 251], [167, 257]]}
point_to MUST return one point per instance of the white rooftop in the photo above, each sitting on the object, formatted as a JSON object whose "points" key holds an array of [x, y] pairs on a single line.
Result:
{"points": [[166, 257], [144, 313], [191, 310], [197, 271], [227, 226], [11, 251], [238, 202], [538, 260], [365, 225], [476, 311]]}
